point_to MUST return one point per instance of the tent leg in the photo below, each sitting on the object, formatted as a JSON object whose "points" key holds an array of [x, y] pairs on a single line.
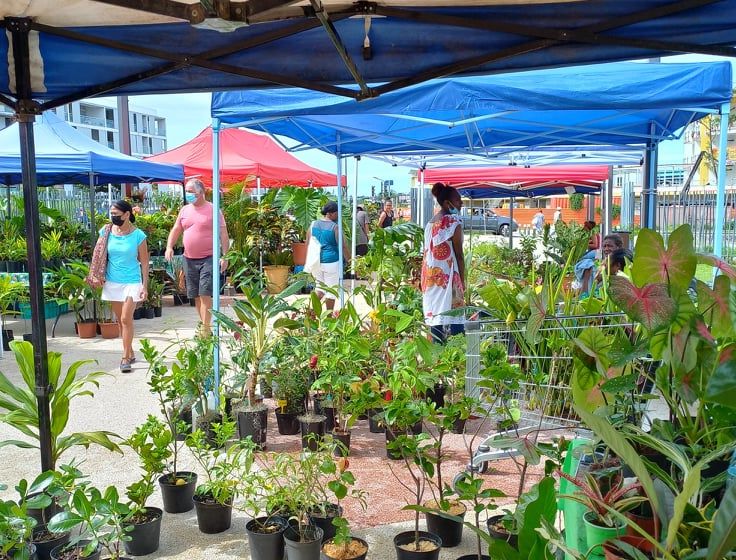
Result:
{"points": [[19, 28], [353, 243], [216, 249], [92, 208], [721, 194], [511, 224], [341, 256]]}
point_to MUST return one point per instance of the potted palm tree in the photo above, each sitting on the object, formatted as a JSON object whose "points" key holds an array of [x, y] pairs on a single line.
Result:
{"points": [[303, 204]]}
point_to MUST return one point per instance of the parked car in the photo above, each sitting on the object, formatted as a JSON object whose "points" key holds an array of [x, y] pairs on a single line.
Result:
{"points": [[487, 221]]}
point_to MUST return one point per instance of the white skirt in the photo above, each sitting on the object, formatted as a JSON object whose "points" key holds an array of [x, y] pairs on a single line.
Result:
{"points": [[115, 291]]}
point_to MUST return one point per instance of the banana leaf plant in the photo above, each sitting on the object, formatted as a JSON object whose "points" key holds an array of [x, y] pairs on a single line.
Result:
{"points": [[304, 204], [19, 405]]}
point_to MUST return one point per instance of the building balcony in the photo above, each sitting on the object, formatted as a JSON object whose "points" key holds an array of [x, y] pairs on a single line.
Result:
{"points": [[96, 121]]}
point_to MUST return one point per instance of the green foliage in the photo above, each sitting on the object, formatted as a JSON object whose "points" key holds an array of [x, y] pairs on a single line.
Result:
{"points": [[151, 441], [491, 259], [19, 405], [70, 285], [576, 201], [10, 293], [304, 204]]}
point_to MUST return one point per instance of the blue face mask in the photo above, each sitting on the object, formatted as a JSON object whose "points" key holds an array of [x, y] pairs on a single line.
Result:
{"points": [[190, 198], [452, 210]]}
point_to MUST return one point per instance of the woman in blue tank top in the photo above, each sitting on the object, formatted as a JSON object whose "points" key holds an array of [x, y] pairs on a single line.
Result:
{"points": [[326, 232]]}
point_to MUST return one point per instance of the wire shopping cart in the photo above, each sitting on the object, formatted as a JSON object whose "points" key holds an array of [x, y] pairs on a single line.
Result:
{"points": [[541, 405]]}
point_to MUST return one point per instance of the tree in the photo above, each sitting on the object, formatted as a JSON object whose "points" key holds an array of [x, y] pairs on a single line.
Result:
{"points": [[710, 130]]}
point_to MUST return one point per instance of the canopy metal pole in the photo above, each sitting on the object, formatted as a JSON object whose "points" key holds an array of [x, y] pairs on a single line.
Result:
{"points": [[216, 249], [92, 207], [421, 197], [260, 244], [511, 223], [258, 188], [353, 243], [340, 255], [10, 205], [109, 195], [721, 194], [19, 29]]}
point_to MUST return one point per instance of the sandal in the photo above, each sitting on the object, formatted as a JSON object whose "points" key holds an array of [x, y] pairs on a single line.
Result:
{"points": [[125, 366]]}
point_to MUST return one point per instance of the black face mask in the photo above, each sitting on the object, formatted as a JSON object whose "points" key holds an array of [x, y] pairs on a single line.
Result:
{"points": [[117, 220]]}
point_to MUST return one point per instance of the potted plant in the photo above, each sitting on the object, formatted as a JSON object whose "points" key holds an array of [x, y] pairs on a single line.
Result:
{"points": [[418, 460], [169, 387], [180, 284], [290, 390], [17, 526], [213, 499], [256, 314], [81, 297], [109, 327], [20, 406], [155, 294], [304, 205], [277, 270], [11, 292], [96, 521], [145, 521]]}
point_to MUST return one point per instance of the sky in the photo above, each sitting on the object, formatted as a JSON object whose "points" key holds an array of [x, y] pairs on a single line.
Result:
{"points": [[187, 114]]}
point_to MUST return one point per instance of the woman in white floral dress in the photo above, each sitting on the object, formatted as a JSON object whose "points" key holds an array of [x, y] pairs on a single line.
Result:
{"points": [[443, 265]]}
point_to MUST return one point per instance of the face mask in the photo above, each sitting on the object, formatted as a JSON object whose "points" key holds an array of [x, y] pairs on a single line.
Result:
{"points": [[117, 220], [452, 210], [191, 198]]}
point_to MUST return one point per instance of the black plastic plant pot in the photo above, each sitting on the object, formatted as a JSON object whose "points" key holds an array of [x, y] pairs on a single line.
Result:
{"points": [[323, 520], [391, 435], [327, 542], [177, 494], [66, 552], [437, 395], [266, 538], [343, 448], [158, 311], [313, 430], [137, 313], [148, 313], [329, 414], [253, 423], [473, 557], [492, 523], [374, 426], [212, 517], [458, 426], [145, 536], [449, 530], [46, 541], [288, 423], [303, 542], [407, 539], [417, 428]]}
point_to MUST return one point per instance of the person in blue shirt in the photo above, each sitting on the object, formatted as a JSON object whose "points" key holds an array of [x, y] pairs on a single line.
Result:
{"points": [[328, 235], [126, 276]]}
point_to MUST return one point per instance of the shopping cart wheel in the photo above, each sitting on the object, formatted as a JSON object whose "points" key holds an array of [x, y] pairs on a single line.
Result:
{"points": [[483, 467]]}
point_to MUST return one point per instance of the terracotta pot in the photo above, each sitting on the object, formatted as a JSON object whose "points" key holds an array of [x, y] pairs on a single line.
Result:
{"points": [[109, 330], [87, 330], [277, 278], [299, 250]]}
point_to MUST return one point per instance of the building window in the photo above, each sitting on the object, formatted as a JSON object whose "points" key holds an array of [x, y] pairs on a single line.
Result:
{"points": [[135, 122], [68, 113], [95, 135], [110, 140]]}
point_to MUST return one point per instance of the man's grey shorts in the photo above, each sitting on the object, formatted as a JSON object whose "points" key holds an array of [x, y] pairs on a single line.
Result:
{"points": [[199, 276]]}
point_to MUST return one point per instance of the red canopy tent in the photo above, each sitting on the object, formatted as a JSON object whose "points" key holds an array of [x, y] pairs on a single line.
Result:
{"points": [[245, 156], [521, 181]]}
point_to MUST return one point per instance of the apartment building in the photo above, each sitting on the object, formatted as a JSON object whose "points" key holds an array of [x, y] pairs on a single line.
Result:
{"points": [[101, 123]]}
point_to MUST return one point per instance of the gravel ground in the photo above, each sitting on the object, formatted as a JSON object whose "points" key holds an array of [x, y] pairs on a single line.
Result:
{"points": [[123, 401]]}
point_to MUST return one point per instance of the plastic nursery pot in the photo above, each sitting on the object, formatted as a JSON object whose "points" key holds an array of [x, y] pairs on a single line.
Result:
{"points": [[253, 423], [266, 538], [45, 541], [323, 519], [497, 531], [87, 329], [429, 546], [343, 448], [109, 330], [313, 430], [178, 494], [288, 423], [329, 414], [212, 517], [145, 535], [66, 552], [596, 536], [449, 530], [303, 542], [357, 549], [374, 425]]}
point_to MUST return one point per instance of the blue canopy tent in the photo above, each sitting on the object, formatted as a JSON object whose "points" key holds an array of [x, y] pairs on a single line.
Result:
{"points": [[621, 104], [64, 155], [56, 52]]}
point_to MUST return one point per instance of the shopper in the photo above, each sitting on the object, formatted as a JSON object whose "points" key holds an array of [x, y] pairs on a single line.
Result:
{"points": [[443, 265], [327, 274], [361, 232], [126, 276], [538, 222], [195, 221], [386, 218]]}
